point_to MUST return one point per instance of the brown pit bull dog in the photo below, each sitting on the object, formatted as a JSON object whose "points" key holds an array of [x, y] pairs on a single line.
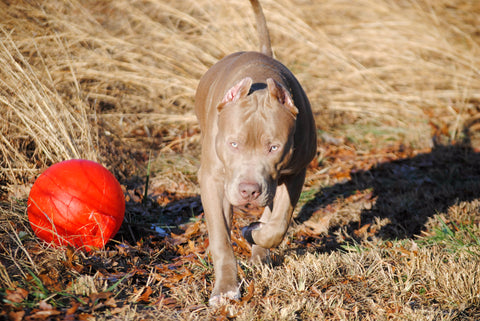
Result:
{"points": [[258, 136]]}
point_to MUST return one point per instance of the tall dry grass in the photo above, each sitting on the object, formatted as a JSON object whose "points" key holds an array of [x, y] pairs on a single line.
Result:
{"points": [[92, 79]]}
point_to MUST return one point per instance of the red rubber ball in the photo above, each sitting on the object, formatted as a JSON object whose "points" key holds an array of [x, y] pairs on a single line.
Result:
{"points": [[78, 203]]}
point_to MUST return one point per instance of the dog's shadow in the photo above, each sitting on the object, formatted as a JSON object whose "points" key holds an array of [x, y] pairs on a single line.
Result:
{"points": [[405, 193]]}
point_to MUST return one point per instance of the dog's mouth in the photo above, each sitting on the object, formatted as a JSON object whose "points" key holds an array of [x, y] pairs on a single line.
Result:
{"points": [[250, 194], [246, 204], [249, 205], [261, 202], [250, 209]]}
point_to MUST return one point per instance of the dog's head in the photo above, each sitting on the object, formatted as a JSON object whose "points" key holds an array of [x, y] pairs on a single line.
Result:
{"points": [[255, 139]]}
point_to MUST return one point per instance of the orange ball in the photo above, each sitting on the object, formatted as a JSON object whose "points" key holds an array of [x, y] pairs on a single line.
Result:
{"points": [[78, 203]]}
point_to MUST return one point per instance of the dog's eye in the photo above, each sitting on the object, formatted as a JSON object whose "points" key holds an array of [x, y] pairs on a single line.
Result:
{"points": [[273, 148], [234, 144]]}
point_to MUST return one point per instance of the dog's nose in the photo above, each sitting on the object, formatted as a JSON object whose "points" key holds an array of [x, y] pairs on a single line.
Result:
{"points": [[249, 191]]}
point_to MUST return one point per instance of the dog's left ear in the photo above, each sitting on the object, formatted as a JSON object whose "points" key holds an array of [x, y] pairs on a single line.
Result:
{"points": [[238, 91], [278, 92]]}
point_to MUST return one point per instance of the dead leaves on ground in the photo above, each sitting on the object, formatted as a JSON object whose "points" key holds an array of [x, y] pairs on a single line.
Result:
{"points": [[16, 296], [83, 309], [122, 275], [143, 270]]}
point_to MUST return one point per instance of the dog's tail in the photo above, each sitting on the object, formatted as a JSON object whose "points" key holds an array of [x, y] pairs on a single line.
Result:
{"points": [[265, 46]]}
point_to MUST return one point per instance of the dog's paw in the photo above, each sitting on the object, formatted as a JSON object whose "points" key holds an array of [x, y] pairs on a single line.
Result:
{"points": [[224, 298], [260, 256]]}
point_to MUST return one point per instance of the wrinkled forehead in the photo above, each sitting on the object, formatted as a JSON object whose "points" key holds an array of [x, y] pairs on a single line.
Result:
{"points": [[252, 118], [245, 110]]}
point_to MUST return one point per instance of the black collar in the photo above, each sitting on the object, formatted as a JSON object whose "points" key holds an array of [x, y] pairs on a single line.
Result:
{"points": [[257, 86]]}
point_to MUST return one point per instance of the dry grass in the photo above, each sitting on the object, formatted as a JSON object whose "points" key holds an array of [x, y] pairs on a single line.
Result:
{"points": [[113, 81], [85, 79]]}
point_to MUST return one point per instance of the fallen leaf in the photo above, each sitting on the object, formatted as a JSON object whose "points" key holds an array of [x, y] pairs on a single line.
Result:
{"points": [[17, 295], [228, 311], [241, 243], [361, 231], [166, 302], [145, 296], [42, 315], [111, 303], [86, 317], [43, 305], [16, 315], [250, 292], [50, 283], [178, 238], [406, 252], [118, 309], [99, 296], [192, 229], [70, 313], [319, 226]]}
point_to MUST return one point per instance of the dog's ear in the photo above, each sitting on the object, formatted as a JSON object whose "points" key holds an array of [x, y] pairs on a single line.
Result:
{"points": [[278, 92], [239, 90]]}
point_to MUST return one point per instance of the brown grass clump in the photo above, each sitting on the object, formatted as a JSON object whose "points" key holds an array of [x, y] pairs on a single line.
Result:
{"points": [[388, 227]]}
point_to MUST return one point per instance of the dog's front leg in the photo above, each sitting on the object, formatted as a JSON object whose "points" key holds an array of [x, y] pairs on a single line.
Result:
{"points": [[218, 213], [273, 225]]}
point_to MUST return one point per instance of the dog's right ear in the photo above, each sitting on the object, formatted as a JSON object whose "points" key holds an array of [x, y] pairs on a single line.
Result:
{"points": [[239, 90]]}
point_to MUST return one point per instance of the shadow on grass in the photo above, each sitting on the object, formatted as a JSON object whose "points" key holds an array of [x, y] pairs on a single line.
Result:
{"points": [[155, 218], [408, 191]]}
